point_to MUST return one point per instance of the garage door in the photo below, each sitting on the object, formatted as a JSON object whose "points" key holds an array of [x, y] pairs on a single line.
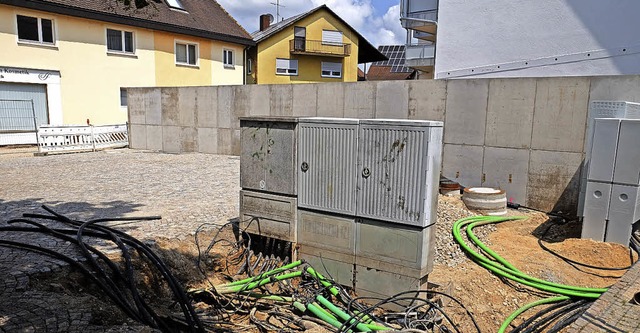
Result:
{"points": [[16, 114]]}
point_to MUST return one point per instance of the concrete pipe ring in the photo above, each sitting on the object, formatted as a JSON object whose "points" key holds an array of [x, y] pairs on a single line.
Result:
{"points": [[486, 200]]}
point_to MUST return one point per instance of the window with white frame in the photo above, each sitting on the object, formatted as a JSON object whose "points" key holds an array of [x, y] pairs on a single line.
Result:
{"points": [[227, 58], [35, 29], [120, 41], [286, 67], [331, 37], [186, 53], [332, 69]]}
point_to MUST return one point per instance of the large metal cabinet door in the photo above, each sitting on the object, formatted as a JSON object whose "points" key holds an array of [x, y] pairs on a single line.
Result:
{"points": [[596, 210], [603, 149], [253, 155], [627, 168], [268, 155], [393, 171], [327, 152], [281, 158], [623, 213]]}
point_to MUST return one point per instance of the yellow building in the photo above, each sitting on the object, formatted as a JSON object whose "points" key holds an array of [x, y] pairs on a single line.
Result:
{"points": [[73, 58], [316, 46]]}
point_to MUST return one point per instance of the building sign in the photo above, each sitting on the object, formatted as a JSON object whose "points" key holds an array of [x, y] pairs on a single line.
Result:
{"points": [[25, 75]]}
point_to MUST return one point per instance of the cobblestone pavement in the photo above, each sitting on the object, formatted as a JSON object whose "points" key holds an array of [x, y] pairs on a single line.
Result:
{"points": [[613, 311], [186, 190]]}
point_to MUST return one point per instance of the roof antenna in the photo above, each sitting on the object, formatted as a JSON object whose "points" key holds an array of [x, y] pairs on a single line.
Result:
{"points": [[278, 5]]}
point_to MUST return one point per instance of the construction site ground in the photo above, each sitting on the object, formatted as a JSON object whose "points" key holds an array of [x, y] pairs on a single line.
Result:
{"points": [[43, 295]]}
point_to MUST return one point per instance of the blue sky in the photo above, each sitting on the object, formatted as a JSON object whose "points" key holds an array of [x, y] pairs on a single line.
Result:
{"points": [[378, 21]]}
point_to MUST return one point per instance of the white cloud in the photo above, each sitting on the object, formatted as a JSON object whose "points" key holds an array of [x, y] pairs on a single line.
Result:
{"points": [[377, 28]]}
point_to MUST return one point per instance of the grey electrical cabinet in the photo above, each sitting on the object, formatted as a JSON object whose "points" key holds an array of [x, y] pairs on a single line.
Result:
{"points": [[596, 210], [603, 150], [268, 215], [601, 109], [327, 173], [399, 162], [268, 154], [627, 166], [624, 210], [327, 242], [612, 203], [395, 248]]}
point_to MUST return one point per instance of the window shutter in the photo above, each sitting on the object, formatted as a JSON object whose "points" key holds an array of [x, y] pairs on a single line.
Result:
{"points": [[332, 66], [282, 63], [331, 37]]}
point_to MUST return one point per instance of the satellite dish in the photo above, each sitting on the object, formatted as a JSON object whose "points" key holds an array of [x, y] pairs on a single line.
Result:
{"points": [[270, 18]]}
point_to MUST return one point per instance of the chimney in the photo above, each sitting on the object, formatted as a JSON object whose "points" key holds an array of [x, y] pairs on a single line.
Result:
{"points": [[265, 20]]}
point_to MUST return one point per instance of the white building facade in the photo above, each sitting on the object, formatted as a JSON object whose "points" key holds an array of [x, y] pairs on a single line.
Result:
{"points": [[506, 38]]}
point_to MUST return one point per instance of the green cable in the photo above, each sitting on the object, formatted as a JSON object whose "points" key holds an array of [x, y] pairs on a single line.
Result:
{"points": [[489, 251], [256, 284], [509, 271], [341, 314], [518, 312], [515, 275], [263, 275], [319, 312], [500, 259], [334, 291], [522, 275], [326, 312], [270, 297]]}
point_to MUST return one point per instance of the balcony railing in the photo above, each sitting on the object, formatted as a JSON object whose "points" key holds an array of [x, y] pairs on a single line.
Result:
{"points": [[420, 51], [318, 47], [420, 56]]}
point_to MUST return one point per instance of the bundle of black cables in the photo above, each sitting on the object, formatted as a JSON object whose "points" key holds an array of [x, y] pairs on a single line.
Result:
{"points": [[117, 281], [561, 315], [418, 312]]}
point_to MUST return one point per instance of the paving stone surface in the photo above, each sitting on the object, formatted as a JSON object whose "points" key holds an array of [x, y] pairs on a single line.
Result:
{"points": [[187, 190], [614, 311]]}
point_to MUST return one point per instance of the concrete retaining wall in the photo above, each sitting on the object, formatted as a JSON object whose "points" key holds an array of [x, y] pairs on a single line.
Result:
{"points": [[523, 135]]}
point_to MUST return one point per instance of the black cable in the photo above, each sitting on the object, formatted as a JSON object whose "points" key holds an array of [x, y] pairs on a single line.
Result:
{"points": [[120, 237], [571, 261], [561, 324], [354, 320], [396, 298], [539, 314], [545, 321]]}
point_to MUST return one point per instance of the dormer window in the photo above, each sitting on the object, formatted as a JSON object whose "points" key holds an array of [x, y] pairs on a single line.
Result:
{"points": [[175, 4]]}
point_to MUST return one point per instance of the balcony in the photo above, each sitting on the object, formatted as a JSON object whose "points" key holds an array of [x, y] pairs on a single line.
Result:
{"points": [[318, 47], [419, 15], [420, 56]]}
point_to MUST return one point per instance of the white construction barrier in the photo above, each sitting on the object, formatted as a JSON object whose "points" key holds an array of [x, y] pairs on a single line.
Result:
{"points": [[70, 138]]}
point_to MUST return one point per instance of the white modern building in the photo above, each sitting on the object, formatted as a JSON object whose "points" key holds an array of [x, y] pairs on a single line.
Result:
{"points": [[506, 38]]}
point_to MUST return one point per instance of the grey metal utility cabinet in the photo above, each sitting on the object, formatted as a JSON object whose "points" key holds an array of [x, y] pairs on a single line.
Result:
{"points": [[268, 154], [399, 165], [327, 173]]}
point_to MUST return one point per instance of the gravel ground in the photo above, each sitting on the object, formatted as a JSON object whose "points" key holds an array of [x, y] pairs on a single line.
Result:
{"points": [[451, 209]]}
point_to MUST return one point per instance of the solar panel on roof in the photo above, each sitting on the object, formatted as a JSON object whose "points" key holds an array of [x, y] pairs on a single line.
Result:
{"points": [[395, 54]]}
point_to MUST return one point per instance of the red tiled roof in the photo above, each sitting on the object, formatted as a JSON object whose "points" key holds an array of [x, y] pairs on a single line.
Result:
{"points": [[377, 73], [200, 18]]}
